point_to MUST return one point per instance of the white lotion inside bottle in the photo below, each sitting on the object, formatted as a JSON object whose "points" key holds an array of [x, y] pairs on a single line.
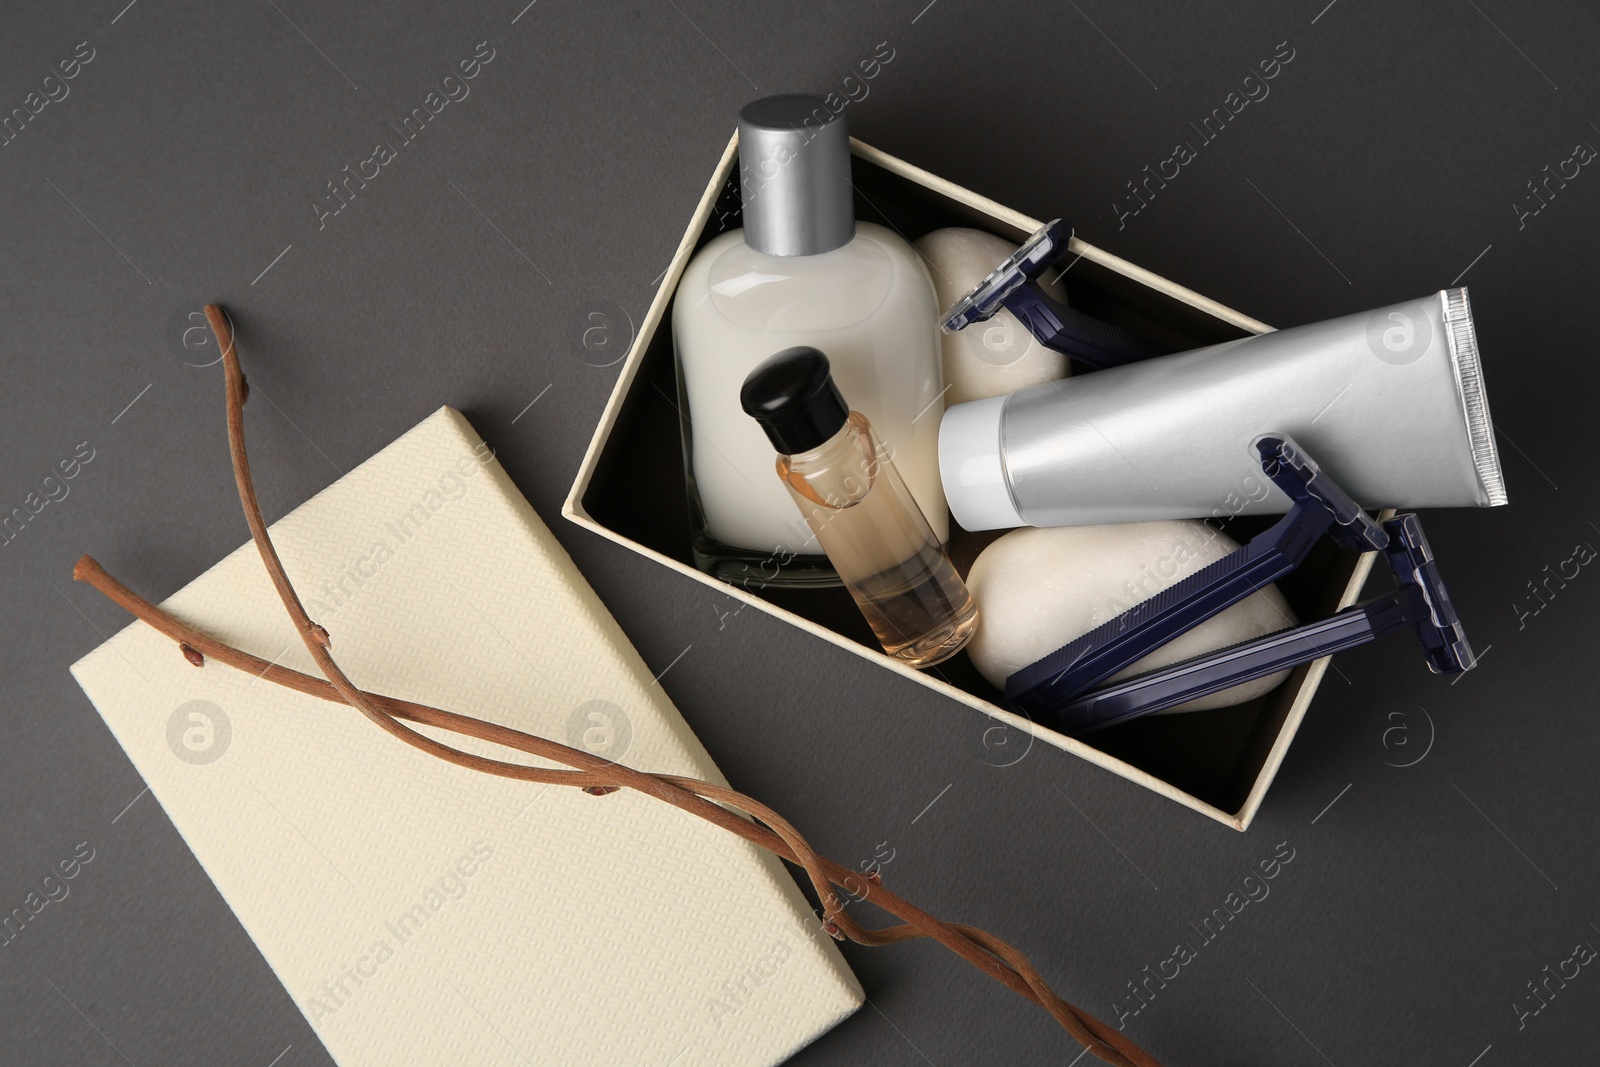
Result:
{"points": [[801, 272]]}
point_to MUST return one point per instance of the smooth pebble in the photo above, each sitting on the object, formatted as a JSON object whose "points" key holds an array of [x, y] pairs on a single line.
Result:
{"points": [[1038, 589], [996, 356]]}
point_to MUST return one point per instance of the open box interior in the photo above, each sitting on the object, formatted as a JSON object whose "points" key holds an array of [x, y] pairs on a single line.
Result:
{"points": [[635, 492]]}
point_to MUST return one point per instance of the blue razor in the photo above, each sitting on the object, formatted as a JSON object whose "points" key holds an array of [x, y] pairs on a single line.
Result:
{"points": [[1058, 690], [1014, 285]]}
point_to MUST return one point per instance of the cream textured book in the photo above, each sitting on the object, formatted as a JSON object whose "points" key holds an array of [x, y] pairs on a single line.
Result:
{"points": [[420, 913]]}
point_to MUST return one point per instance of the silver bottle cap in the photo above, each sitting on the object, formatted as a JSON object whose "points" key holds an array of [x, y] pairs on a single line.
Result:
{"points": [[794, 176]]}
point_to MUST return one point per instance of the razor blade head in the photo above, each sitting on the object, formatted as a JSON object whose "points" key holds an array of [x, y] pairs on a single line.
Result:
{"points": [[1439, 628], [1044, 247], [1304, 481]]}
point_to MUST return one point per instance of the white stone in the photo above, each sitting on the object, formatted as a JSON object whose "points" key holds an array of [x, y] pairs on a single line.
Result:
{"points": [[987, 358], [1038, 589]]}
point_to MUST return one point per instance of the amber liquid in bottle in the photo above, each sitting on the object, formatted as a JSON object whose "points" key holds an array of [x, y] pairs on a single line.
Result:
{"points": [[881, 545]]}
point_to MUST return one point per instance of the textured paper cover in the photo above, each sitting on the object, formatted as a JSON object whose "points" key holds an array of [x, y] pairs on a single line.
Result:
{"points": [[423, 914]]}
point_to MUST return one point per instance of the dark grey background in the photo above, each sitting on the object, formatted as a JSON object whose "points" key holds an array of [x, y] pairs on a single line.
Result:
{"points": [[1385, 163]]}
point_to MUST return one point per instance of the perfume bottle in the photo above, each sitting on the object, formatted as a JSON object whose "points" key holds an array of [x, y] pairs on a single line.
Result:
{"points": [[801, 271], [845, 483]]}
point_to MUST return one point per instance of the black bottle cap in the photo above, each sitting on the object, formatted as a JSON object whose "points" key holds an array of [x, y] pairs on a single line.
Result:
{"points": [[793, 397]]}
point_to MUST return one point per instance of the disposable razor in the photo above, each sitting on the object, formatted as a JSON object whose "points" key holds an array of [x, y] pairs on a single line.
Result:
{"points": [[1014, 286], [1058, 689]]}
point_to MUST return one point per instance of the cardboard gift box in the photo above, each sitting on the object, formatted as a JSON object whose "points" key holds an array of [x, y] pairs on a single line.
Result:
{"points": [[630, 488]]}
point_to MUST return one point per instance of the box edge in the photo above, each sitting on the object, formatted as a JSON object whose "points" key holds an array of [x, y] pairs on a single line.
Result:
{"points": [[1304, 696]]}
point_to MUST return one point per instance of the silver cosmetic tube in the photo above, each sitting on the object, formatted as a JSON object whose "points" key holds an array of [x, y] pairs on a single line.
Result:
{"points": [[1390, 402]]}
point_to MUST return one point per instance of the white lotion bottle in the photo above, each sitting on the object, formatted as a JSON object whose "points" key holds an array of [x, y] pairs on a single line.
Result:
{"points": [[802, 271]]}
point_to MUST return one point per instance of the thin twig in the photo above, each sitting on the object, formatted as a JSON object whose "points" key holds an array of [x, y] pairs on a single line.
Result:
{"points": [[716, 804]]}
